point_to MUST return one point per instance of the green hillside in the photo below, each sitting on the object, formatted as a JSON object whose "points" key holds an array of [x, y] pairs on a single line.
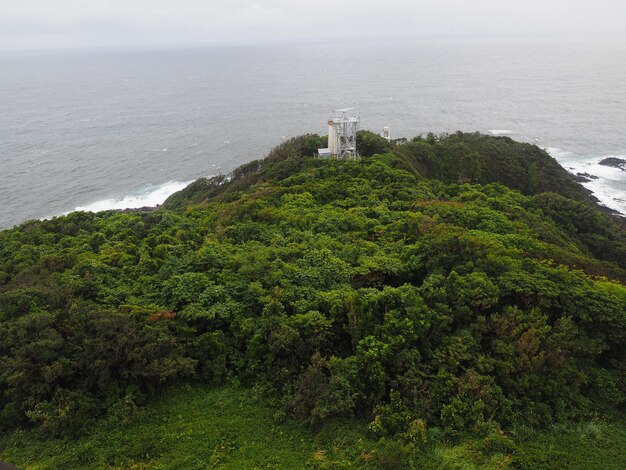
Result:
{"points": [[455, 299]]}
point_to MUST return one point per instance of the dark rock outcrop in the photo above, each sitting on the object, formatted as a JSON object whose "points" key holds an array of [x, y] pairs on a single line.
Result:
{"points": [[614, 162], [585, 177]]}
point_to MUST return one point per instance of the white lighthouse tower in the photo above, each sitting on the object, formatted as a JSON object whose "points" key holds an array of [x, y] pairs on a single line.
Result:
{"points": [[342, 127]]}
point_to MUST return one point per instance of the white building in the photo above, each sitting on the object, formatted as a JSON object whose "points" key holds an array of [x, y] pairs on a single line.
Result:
{"points": [[342, 128]]}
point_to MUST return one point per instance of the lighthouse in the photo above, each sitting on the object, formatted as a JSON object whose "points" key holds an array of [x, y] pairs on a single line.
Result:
{"points": [[342, 127]]}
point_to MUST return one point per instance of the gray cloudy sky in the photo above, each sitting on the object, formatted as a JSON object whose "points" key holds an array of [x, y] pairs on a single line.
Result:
{"points": [[77, 23]]}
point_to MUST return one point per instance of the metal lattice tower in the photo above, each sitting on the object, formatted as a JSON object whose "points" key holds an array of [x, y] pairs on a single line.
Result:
{"points": [[342, 127]]}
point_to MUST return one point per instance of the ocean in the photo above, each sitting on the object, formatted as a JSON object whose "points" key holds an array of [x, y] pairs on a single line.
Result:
{"points": [[101, 129]]}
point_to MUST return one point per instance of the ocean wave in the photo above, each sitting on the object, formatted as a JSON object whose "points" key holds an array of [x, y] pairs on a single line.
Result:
{"points": [[593, 167], [500, 132], [608, 184], [608, 196], [148, 197], [561, 155]]}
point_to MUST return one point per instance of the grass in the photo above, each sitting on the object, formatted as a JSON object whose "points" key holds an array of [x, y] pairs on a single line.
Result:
{"points": [[193, 427], [588, 445]]}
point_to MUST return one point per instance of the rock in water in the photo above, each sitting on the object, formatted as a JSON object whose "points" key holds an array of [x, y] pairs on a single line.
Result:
{"points": [[614, 162], [585, 177]]}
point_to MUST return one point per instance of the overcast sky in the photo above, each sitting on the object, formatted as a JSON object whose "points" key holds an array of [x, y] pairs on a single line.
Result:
{"points": [[80, 23]]}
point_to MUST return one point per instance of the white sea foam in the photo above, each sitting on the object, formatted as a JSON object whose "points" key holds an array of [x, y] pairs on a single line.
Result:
{"points": [[594, 168], [500, 132], [149, 196], [605, 172], [561, 155], [609, 186]]}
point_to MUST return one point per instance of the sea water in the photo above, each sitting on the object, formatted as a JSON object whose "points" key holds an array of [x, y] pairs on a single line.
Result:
{"points": [[101, 129]]}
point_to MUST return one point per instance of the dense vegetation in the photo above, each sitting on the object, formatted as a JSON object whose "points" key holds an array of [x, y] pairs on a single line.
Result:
{"points": [[438, 288]]}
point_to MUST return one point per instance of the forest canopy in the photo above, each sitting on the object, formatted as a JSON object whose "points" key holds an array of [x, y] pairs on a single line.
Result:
{"points": [[459, 281]]}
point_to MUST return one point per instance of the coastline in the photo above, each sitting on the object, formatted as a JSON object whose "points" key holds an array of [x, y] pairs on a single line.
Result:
{"points": [[591, 173]]}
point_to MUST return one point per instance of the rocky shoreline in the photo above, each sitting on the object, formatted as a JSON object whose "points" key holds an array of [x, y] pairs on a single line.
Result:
{"points": [[584, 177]]}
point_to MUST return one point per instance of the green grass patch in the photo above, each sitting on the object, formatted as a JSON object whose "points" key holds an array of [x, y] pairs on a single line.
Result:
{"points": [[190, 428], [588, 445], [195, 427]]}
